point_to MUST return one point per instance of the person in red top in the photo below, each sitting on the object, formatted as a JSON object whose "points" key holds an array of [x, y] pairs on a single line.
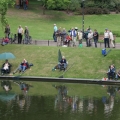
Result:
{"points": [[22, 67], [5, 41], [68, 39]]}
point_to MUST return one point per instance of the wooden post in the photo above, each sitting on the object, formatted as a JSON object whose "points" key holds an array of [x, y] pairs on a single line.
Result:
{"points": [[35, 42], [48, 42]]}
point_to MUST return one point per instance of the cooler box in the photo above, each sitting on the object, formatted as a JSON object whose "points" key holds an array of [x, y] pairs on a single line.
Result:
{"points": [[103, 51]]}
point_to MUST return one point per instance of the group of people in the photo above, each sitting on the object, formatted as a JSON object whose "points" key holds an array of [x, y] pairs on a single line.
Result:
{"points": [[6, 67], [62, 37], [89, 35], [108, 38], [112, 73], [74, 34], [22, 3], [20, 34]]}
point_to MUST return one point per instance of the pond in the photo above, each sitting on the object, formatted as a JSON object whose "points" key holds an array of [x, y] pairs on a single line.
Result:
{"points": [[61, 106]]}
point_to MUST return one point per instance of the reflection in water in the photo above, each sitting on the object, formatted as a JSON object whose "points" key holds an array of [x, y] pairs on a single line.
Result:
{"points": [[109, 101], [62, 106], [6, 85], [23, 102]]}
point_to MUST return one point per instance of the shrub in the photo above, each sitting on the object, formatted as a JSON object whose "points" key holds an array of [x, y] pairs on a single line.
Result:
{"points": [[117, 33], [94, 11]]}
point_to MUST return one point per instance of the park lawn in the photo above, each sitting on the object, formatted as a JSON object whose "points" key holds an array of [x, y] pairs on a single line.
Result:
{"points": [[41, 26]]}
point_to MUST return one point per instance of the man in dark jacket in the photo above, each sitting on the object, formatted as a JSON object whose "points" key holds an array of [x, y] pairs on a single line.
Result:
{"points": [[63, 63]]}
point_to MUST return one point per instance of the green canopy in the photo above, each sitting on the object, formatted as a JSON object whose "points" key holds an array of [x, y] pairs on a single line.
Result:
{"points": [[6, 55], [7, 97], [59, 55]]}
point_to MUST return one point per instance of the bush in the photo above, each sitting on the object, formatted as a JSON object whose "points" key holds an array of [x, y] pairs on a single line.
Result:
{"points": [[117, 33], [94, 11]]}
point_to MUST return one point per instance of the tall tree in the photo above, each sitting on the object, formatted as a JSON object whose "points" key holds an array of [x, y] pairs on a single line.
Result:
{"points": [[3, 10]]}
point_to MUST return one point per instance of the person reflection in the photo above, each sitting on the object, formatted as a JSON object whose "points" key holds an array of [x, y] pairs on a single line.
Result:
{"points": [[21, 101], [6, 85], [61, 99], [24, 87], [109, 102], [24, 102], [90, 105]]}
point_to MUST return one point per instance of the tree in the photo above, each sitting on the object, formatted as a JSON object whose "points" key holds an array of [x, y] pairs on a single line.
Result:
{"points": [[3, 10], [44, 5]]}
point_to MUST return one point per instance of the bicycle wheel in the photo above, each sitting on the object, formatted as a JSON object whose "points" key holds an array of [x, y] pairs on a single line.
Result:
{"points": [[30, 40]]}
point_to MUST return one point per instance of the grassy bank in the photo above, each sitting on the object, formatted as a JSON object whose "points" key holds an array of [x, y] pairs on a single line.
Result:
{"points": [[88, 62]]}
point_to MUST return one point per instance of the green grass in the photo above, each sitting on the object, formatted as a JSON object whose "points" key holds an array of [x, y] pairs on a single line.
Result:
{"points": [[41, 26], [88, 62]]}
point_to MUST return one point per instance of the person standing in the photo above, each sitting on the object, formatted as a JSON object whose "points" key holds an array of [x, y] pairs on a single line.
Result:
{"points": [[54, 33], [111, 38], [106, 38], [26, 34], [73, 35], [7, 31], [95, 37], [17, 4], [58, 34], [80, 35], [24, 4], [90, 37], [63, 36], [20, 32], [86, 37]]}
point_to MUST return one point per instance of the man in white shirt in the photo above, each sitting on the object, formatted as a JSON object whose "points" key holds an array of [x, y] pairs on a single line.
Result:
{"points": [[106, 38], [90, 37], [20, 32], [111, 38]]}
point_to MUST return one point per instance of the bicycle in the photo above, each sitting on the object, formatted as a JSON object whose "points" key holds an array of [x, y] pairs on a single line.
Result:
{"points": [[13, 39], [27, 40]]}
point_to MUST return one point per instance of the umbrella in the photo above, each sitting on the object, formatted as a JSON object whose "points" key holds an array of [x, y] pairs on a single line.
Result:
{"points": [[7, 97], [59, 56], [6, 55]]}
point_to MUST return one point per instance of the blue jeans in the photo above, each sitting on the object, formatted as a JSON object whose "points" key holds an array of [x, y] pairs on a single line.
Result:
{"points": [[106, 42], [111, 74], [54, 37], [24, 6], [95, 41], [117, 76], [64, 64], [22, 68]]}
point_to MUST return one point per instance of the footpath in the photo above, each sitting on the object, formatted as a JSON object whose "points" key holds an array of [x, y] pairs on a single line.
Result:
{"points": [[52, 43]]}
